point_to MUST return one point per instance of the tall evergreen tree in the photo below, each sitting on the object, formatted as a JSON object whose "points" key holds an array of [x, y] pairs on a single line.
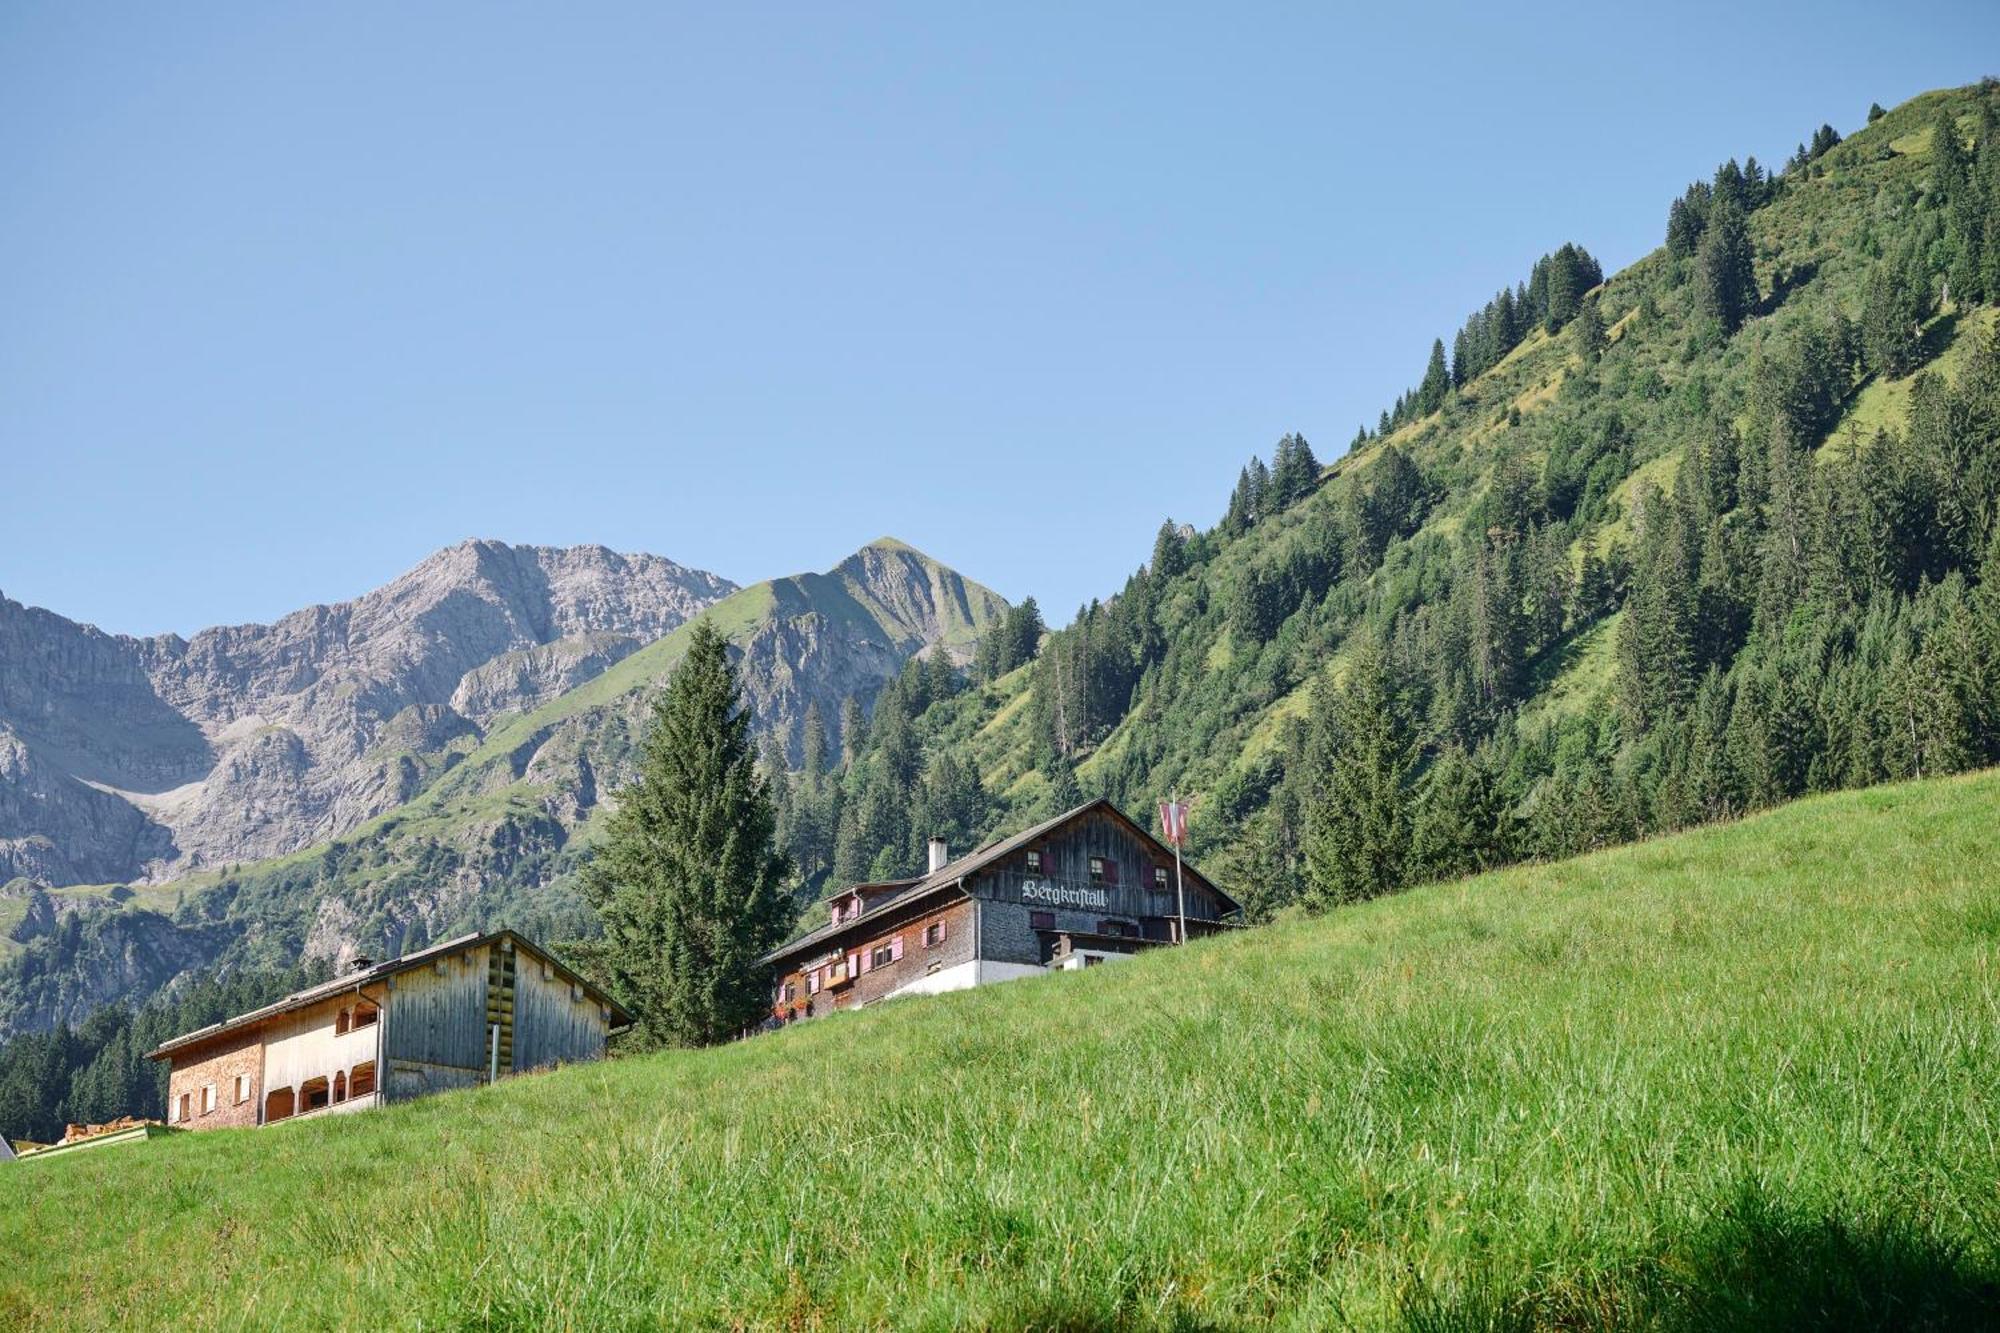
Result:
{"points": [[686, 882], [1726, 277], [1437, 381], [1358, 830], [1892, 315], [1588, 331], [814, 753]]}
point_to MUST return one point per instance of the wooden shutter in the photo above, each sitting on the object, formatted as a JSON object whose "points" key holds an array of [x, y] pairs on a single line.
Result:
{"points": [[896, 948], [867, 960]]}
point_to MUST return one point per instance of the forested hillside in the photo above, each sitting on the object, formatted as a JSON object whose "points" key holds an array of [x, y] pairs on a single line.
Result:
{"points": [[1638, 554]]}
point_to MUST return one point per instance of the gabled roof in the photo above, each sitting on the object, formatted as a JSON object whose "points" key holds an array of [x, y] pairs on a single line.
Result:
{"points": [[354, 981], [953, 872]]}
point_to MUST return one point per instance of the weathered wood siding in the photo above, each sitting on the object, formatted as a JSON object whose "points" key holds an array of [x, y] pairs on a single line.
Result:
{"points": [[435, 1035], [1063, 881], [302, 1045], [555, 1021]]}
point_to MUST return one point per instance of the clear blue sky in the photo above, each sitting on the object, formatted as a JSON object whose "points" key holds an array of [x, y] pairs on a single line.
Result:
{"points": [[291, 295]]}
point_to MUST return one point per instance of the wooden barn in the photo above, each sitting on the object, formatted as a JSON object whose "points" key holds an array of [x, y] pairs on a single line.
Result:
{"points": [[456, 1015], [1089, 886]]}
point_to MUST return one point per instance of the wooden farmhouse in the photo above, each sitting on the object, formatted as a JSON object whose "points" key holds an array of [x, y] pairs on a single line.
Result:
{"points": [[456, 1015], [1087, 887]]}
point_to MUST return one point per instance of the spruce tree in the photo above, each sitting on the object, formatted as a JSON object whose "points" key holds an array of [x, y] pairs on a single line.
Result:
{"points": [[1726, 278], [1358, 830], [1892, 315], [1948, 157], [853, 730], [1169, 552], [687, 883], [1437, 381], [813, 748], [1588, 331], [1454, 829]]}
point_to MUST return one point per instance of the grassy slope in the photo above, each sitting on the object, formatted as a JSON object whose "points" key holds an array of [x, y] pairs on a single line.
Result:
{"points": [[1734, 1077]]}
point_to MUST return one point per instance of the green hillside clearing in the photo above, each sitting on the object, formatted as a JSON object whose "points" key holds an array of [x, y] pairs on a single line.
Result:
{"points": [[1738, 1077]]}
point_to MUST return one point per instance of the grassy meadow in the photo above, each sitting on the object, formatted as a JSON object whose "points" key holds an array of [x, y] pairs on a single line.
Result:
{"points": [[1739, 1078]]}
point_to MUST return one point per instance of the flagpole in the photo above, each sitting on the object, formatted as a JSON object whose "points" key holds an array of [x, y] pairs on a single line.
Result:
{"points": [[1180, 890]]}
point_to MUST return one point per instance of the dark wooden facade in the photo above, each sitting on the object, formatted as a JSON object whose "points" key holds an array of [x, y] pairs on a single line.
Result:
{"points": [[1084, 887]]}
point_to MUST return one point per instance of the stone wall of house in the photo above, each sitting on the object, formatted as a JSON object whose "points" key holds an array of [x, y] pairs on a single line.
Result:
{"points": [[919, 959], [217, 1065]]}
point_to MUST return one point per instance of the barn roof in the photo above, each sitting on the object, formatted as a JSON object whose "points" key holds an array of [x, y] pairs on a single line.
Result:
{"points": [[354, 981]]}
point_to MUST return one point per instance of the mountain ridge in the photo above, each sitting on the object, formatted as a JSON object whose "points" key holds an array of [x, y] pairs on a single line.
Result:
{"points": [[493, 800], [252, 740]]}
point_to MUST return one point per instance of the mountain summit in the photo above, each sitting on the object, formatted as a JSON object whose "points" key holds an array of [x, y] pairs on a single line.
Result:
{"points": [[146, 758]]}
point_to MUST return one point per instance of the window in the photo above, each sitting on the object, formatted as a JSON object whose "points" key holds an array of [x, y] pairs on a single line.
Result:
{"points": [[791, 991], [1160, 877], [363, 1081], [1041, 920], [1098, 870], [934, 934], [340, 1085], [364, 1014], [340, 1023], [207, 1098], [1091, 960], [1034, 863], [812, 982], [242, 1089], [184, 1108], [313, 1094], [881, 956]]}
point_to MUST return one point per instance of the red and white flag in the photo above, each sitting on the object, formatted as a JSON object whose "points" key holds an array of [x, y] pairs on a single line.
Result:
{"points": [[1173, 821]]}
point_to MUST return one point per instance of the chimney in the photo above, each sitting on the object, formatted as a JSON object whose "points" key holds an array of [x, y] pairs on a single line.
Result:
{"points": [[938, 855], [361, 962]]}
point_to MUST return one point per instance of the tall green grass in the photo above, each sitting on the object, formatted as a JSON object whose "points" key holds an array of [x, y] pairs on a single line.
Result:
{"points": [[1741, 1078]]}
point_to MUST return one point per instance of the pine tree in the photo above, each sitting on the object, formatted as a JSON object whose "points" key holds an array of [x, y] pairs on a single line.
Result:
{"points": [[686, 882], [1892, 315], [1358, 828], [813, 749], [1455, 826], [1588, 332], [1169, 552], [1948, 159], [1725, 274], [1437, 381], [1875, 112], [853, 730]]}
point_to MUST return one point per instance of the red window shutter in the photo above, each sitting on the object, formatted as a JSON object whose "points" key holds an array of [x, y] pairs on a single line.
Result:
{"points": [[895, 948], [940, 931], [1110, 871]]}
